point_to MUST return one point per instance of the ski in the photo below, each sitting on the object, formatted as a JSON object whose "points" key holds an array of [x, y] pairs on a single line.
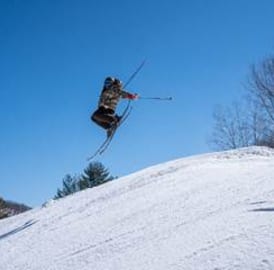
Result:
{"points": [[103, 147], [98, 150], [134, 73], [109, 139]]}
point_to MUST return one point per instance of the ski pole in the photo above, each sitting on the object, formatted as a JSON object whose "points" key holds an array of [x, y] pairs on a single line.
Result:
{"points": [[135, 73], [157, 98]]}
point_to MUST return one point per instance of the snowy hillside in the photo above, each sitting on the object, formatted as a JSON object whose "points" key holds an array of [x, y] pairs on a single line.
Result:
{"points": [[213, 211]]}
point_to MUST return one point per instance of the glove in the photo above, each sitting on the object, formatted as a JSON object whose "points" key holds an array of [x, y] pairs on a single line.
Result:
{"points": [[133, 96]]}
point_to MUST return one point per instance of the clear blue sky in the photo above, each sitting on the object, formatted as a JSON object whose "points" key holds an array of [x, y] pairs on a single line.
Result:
{"points": [[54, 56]]}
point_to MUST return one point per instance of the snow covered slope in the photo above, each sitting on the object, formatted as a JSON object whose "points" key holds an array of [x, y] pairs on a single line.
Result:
{"points": [[214, 211]]}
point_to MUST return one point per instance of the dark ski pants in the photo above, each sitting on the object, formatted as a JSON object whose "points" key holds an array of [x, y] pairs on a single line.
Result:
{"points": [[104, 118]]}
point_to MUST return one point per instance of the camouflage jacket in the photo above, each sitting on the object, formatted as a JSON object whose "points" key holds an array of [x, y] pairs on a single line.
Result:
{"points": [[110, 97]]}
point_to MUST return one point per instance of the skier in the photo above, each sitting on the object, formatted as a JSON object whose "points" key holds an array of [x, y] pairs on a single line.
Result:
{"points": [[105, 115]]}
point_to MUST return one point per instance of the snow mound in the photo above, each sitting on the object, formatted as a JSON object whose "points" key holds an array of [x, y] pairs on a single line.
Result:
{"points": [[213, 211]]}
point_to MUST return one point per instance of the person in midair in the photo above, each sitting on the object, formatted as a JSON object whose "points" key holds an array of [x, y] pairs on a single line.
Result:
{"points": [[111, 94]]}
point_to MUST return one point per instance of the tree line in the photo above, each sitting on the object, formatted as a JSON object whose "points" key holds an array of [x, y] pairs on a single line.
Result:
{"points": [[250, 121], [3, 208], [10, 208]]}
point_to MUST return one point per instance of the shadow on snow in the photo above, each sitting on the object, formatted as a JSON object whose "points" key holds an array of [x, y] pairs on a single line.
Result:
{"points": [[19, 229]]}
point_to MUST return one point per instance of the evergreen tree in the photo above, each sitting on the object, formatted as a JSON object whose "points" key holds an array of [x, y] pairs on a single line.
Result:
{"points": [[70, 185], [94, 175]]}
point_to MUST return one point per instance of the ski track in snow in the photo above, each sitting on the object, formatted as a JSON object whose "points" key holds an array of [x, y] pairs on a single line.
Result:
{"points": [[213, 211]]}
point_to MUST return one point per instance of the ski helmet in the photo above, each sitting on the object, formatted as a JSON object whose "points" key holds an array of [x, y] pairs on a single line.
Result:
{"points": [[117, 82], [108, 82]]}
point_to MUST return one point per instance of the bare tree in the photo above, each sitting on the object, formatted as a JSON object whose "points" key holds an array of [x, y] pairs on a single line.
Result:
{"points": [[231, 129], [252, 122], [261, 89], [261, 86]]}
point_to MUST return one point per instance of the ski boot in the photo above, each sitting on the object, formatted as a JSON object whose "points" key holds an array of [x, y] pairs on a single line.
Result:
{"points": [[114, 125]]}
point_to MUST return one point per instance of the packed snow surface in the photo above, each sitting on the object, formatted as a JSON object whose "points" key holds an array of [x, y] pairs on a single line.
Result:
{"points": [[213, 211]]}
